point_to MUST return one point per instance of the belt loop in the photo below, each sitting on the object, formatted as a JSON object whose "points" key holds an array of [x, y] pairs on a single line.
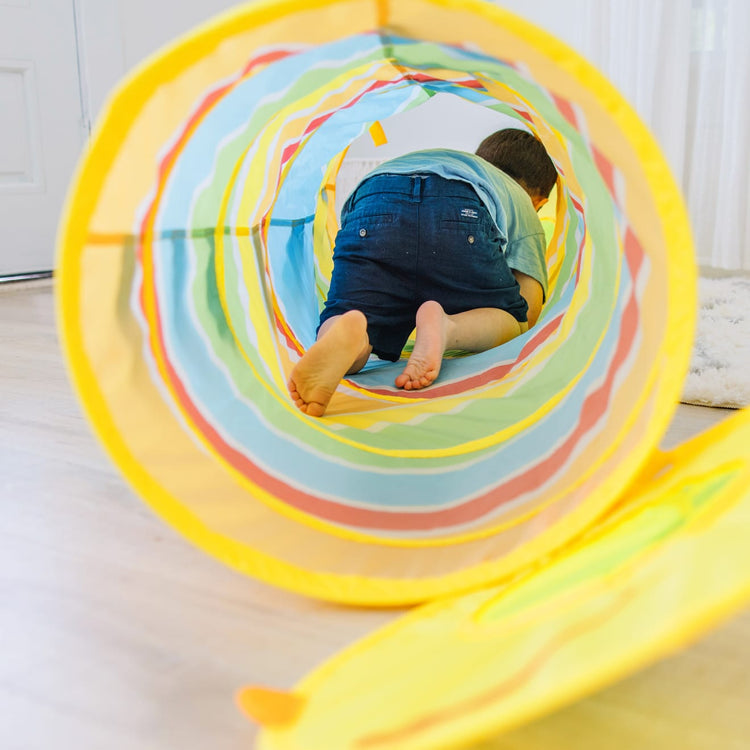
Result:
{"points": [[416, 194]]}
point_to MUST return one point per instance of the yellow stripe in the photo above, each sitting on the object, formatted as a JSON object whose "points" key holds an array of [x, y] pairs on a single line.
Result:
{"points": [[378, 134]]}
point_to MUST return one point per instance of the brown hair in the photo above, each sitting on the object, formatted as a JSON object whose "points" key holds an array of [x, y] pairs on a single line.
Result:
{"points": [[522, 156]]}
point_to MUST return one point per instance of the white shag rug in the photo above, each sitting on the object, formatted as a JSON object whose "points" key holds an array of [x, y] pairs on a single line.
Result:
{"points": [[720, 366]]}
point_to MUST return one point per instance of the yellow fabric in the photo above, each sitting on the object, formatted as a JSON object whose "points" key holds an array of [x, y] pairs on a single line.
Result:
{"points": [[670, 562], [292, 548], [378, 134]]}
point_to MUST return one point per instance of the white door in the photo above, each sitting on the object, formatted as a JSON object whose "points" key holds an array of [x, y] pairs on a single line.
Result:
{"points": [[41, 128]]}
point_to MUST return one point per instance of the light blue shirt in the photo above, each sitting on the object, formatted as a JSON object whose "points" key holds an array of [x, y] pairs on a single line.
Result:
{"points": [[522, 239]]}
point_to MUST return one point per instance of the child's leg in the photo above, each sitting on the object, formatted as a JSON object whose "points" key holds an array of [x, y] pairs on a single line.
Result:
{"points": [[342, 348], [473, 331]]}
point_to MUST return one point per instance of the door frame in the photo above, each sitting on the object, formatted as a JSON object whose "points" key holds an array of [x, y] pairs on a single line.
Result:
{"points": [[101, 59]]}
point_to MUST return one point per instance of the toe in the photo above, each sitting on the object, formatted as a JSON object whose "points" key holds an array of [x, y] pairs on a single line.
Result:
{"points": [[315, 409]]}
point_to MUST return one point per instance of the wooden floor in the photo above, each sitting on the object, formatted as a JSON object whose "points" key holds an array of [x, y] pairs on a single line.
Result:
{"points": [[116, 634]]}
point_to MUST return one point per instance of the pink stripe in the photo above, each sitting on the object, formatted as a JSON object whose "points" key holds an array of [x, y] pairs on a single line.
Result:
{"points": [[566, 109], [606, 170], [265, 59]]}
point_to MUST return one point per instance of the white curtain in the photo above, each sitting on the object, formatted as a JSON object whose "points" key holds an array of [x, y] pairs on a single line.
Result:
{"points": [[717, 153], [685, 67]]}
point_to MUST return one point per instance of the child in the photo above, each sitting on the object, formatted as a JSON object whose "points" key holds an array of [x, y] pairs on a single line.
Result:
{"points": [[443, 239]]}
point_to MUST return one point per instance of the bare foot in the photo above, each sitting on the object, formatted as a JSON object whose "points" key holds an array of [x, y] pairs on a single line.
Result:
{"points": [[316, 376], [427, 357]]}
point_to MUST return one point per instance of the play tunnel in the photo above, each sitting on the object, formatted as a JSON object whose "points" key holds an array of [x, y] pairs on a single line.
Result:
{"points": [[196, 253]]}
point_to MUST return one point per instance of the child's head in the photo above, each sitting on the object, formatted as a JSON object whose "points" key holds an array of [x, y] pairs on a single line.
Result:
{"points": [[523, 157]]}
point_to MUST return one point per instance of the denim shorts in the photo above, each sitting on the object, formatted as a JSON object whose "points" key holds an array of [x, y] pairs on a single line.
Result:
{"points": [[406, 239]]}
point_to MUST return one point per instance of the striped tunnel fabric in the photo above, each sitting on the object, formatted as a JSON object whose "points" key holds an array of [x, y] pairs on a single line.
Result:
{"points": [[669, 562], [195, 256]]}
